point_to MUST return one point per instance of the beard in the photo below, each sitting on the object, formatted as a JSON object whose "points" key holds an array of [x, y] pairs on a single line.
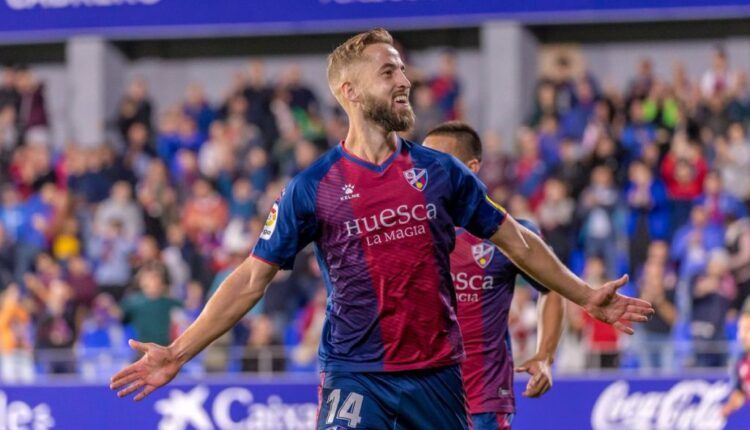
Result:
{"points": [[381, 113]]}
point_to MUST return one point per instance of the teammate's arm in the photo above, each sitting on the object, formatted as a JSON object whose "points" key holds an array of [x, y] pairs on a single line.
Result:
{"points": [[530, 254], [242, 289], [736, 400], [549, 330]]}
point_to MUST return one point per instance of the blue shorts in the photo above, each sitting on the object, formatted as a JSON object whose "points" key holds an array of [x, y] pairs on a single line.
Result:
{"points": [[416, 400], [492, 421]]}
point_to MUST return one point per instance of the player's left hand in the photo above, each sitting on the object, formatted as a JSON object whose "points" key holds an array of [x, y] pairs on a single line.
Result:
{"points": [[541, 376], [607, 305]]}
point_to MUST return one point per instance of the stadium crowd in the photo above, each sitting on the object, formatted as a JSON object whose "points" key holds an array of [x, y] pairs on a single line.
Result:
{"points": [[130, 238]]}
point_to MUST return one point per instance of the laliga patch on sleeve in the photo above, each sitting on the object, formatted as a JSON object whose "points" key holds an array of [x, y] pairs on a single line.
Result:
{"points": [[270, 225]]}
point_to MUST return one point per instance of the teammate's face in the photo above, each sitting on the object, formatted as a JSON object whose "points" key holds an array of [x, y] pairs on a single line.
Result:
{"points": [[450, 145], [385, 89]]}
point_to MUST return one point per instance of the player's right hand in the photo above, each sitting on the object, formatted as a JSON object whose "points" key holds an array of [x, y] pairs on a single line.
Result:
{"points": [[155, 368]]}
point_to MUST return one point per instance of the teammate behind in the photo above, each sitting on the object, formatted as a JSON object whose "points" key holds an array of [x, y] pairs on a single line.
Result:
{"points": [[741, 391], [381, 212], [484, 280]]}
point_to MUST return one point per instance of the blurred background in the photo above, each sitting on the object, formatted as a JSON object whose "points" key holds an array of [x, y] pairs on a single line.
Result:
{"points": [[143, 142]]}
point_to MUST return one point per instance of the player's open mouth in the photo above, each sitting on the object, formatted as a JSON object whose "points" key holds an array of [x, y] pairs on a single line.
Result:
{"points": [[401, 99]]}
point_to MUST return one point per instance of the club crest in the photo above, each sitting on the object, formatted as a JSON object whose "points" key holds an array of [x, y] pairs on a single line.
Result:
{"points": [[417, 178], [482, 254]]}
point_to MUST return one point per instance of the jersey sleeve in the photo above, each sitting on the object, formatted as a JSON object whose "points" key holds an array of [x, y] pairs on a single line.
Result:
{"points": [[470, 206], [290, 225], [534, 229]]}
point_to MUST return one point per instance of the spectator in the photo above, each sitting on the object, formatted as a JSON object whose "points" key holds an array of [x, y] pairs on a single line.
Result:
{"points": [[555, 213], [31, 110], [649, 216], [683, 170], [597, 209], [55, 329], [693, 241], [446, 88], [16, 364], [204, 215], [263, 353], [158, 199], [657, 288], [602, 338], [111, 249], [719, 204], [120, 206], [102, 344], [150, 310], [733, 161], [197, 108], [710, 305], [135, 107], [737, 241], [719, 79]]}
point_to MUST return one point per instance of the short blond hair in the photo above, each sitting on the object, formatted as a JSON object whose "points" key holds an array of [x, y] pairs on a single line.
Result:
{"points": [[350, 52]]}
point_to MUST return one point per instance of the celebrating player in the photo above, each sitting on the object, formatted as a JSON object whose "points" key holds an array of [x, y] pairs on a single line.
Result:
{"points": [[741, 391], [484, 281], [380, 211]]}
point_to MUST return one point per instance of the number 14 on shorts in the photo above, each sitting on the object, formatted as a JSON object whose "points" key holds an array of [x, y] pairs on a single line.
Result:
{"points": [[350, 410]]}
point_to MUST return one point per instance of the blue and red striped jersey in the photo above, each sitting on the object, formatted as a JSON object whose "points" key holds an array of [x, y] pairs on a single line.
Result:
{"points": [[484, 279], [383, 236]]}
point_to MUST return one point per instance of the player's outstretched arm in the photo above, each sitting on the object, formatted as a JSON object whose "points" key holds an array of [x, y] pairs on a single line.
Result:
{"points": [[549, 330], [242, 289], [530, 254]]}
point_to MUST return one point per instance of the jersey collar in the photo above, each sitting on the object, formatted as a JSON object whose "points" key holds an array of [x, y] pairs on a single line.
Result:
{"points": [[379, 168]]}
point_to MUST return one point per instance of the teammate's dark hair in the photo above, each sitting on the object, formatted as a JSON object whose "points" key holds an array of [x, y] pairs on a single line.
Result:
{"points": [[468, 138]]}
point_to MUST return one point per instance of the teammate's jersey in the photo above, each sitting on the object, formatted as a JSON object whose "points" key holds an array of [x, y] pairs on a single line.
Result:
{"points": [[383, 236], [742, 376], [484, 279]]}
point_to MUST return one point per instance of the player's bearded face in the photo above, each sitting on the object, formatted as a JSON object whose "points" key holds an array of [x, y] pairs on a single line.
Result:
{"points": [[394, 114]]}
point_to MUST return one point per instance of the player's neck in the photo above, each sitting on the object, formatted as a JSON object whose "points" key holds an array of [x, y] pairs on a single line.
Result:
{"points": [[370, 143]]}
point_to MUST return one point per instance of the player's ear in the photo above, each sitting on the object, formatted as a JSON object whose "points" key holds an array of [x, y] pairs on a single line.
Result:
{"points": [[473, 165], [349, 91]]}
